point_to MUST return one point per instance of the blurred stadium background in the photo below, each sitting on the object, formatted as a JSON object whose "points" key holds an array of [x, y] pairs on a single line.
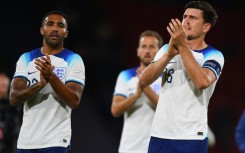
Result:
{"points": [[105, 33]]}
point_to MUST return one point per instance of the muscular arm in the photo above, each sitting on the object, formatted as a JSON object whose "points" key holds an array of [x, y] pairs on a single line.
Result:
{"points": [[19, 92], [201, 77], [70, 93], [121, 104], [153, 70]]}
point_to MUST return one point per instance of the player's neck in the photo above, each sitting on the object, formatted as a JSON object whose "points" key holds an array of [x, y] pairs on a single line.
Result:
{"points": [[51, 51], [196, 44], [142, 66]]}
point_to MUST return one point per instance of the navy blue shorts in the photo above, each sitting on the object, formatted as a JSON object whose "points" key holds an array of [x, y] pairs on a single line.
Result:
{"points": [[158, 145], [45, 150]]}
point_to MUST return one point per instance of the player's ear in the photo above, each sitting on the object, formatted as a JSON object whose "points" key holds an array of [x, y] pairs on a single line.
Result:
{"points": [[66, 33], [206, 27], [138, 52], [41, 30]]}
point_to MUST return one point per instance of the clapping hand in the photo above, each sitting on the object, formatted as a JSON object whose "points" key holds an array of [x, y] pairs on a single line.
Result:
{"points": [[177, 33], [43, 64]]}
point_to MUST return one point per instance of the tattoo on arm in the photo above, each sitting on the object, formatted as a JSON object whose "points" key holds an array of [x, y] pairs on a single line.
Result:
{"points": [[20, 92], [19, 84]]}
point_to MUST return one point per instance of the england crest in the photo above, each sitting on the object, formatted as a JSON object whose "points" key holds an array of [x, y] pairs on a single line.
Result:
{"points": [[60, 72]]}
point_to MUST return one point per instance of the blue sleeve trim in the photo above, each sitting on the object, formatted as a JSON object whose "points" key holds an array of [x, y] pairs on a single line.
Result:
{"points": [[76, 82], [215, 73], [214, 66], [21, 76], [118, 94]]}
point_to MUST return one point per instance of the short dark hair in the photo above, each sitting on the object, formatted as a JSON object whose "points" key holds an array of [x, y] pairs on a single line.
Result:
{"points": [[55, 12], [151, 33], [209, 13]]}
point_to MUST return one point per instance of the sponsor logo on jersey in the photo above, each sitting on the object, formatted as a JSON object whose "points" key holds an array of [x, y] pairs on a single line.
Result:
{"points": [[29, 73]]}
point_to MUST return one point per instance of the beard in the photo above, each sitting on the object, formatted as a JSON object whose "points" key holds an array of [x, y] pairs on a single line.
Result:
{"points": [[53, 43], [193, 36], [190, 37]]}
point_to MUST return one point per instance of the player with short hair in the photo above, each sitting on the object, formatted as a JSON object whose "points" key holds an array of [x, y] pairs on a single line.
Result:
{"points": [[137, 104], [49, 81], [191, 69]]}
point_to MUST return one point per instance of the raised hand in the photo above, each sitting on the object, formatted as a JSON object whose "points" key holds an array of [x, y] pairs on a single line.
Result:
{"points": [[177, 33], [42, 81], [43, 64], [172, 50]]}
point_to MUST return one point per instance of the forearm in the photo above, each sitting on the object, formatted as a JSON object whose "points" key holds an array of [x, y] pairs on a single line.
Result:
{"points": [[196, 73], [122, 105], [65, 93], [154, 70], [20, 95], [69, 93], [152, 96]]}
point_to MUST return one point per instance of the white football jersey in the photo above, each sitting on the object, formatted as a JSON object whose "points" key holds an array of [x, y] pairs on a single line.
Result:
{"points": [[46, 120], [138, 119], [182, 109]]}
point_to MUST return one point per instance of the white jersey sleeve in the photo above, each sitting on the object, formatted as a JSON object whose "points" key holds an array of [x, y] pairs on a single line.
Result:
{"points": [[77, 70], [121, 84], [21, 66], [214, 60]]}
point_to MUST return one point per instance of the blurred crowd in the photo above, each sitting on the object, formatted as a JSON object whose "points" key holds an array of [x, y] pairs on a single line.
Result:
{"points": [[10, 118]]}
